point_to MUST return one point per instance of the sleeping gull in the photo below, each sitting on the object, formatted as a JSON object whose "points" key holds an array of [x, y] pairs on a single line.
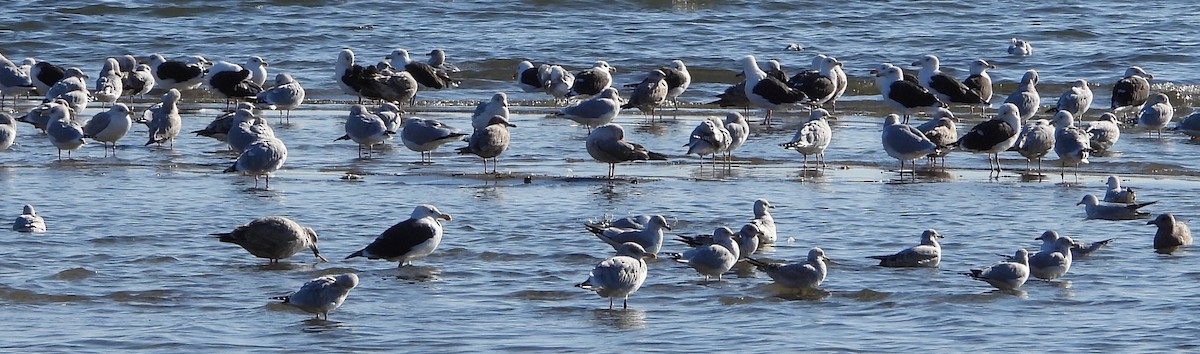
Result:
{"points": [[593, 80], [1076, 99], [767, 92], [426, 135], [764, 221], [273, 238], [108, 83], [1131, 91], [927, 254], [437, 59], [172, 74], [1072, 144], [1104, 132], [905, 143], [1095, 210], [714, 259], [13, 81], [138, 82], [1052, 263], [649, 94], [1005, 275], [322, 295], [8, 131], [607, 144], [806, 275], [650, 237], [40, 115], [942, 130], [408, 240], [365, 129], [165, 122], [708, 138], [246, 128], [946, 87], [485, 110], [1035, 142], [62, 131], [678, 79], [109, 126], [489, 142], [1115, 194], [619, 275], [994, 135], [1171, 234], [739, 131], [979, 80], [1019, 47], [1157, 114], [29, 221], [1026, 97], [812, 137], [596, 111], [286, 95], [261, 158], [903, 95]]}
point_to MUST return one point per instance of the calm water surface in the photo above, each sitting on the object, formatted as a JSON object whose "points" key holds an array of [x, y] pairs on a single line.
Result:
{"points": [[127, 264]]}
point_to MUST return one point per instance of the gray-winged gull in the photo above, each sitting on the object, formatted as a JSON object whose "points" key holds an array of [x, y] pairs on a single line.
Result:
{"points": [[942, 130], [649, 94], [62, 131], [619, 275], [1005, 275], [109, 85], [408, 240], [71, 89], [1026, 97], [739, 131], [261, 158], [273, 238], [392, 116], [286, 95], [165, 122], [714, 259], [1071, 143], [13, 81], [8, 131], [1076, 99], [596, 111], [139, 82], [812, 137], [905, 143], [365, 129], [1096, 210], [322, 295], [1190, 125], [1104, 132], [805, 275], [1115, 194], [426, 135], [1052, 263], [485, 110], [246, 128], [1035, 142], [558, 82], [607, 144], [927, 254], [678, 78], [650, 237], [258, 70], [1156, 114], [437, 59], [708, 138], [489, 142], [1019, 47], [109, 126], [29, 221], [764, 221]]}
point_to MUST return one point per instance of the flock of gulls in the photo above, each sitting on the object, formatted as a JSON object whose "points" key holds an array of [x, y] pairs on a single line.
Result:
{"points": [[590, 99]]}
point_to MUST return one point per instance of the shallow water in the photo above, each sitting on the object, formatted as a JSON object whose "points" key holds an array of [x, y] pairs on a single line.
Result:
{"points": [[127, 263]]}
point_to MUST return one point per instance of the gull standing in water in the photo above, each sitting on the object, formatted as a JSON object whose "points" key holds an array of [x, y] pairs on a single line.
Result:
{"points": [[649, 94], [108, 84], [620, 275], [408, 240], [489, 142], [739, 131], [812, 138], [1104, 132], [261, 158], [927, 254], [285, 96], [138, 82], [29, 221], [62, 130], [905, 143], [322, 295], [13, 81], [1072, 144], [767, 92], [1131, 92], [1076, 99], [497, 106], [365, 129], [806, 275], [1005, 275], [1026, 97], [165, 122], [1035, 142], [273, 238], [1050, 264], [941, 131], [426, 135], [596, 111], [593, 80], [109, 126], [979, 80], [1171, 233], [607, 144], [246, 128], [993, 136], [650, 237], [708, 138], [1155, 116], [678, 79], [8, 131]]}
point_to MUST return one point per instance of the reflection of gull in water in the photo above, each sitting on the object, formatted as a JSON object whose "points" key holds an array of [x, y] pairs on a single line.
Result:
{"points": [[621, 319], [1005, 275], [322, 295], [927, 254], [620, 275], [806, 275]]}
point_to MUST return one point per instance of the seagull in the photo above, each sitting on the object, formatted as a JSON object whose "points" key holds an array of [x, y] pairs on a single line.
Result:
{"points": [[489, 142], [108, 84], [1052, 263], [232, 82], [1171, 234], [346, 73], [840, 79], [807, 275], [273, 238], [13, 81], [1076, 99], [139, 82], [62, 131], [979, 80], [942, 131], [596, 111], [8, 131], [1005, 275], [1155, 116], [437, 59], [258, 70], [1026, 97], [1020, 48], [558, 82], [721, 236], [165, 122], [593, 80], [426, 135], [1072, 144], [994, 135], [71, 89], [714, 259], [1035, 142], [425, 74], [40, 115], [365, 129], [391, 115], [497, 106], [1104, 132], [246, 128], [764, 221], [1189, 125], [261, 158], [528, 77], [819, 85], [109, 126], [29, 221], [322, 295], [619, 275], [650, 237], [1095, 210], [767, 92], [1050, 237], [903, 95], [927, 254], [905, 143], [408, 240], [45, 75], [812, 137], [171, 74], [607, 144], [286, 95], [708, 138], [649, 94], [946, 87], [678, 79], [1131, 91], [1115, 194]]}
